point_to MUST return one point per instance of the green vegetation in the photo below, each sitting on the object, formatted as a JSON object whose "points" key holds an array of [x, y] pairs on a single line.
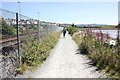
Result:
{"points": [[72, 29], [7, 30], [36, 52], [107, 26], [102, 55], [94, 27]]}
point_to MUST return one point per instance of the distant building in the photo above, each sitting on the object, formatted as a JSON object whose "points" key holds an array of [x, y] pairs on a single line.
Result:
{"points": [[11, 21]]}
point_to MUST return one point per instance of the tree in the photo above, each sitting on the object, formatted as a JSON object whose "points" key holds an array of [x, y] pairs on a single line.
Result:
{"points": [[7, 30], [73, 25]]}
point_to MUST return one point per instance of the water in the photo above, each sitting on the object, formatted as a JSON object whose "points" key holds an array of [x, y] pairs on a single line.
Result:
{"points": [[112, 33]]}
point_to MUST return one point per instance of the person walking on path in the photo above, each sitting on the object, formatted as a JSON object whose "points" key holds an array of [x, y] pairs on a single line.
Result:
{"points": [[64, 63], [64, 32]]}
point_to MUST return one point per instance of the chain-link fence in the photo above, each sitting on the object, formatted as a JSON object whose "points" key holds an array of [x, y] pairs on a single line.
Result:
{"points": [[8, 38], [17, 29]]}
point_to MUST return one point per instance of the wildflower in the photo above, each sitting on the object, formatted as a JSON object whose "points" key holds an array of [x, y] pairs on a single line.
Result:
{"points": [[107, 36]]}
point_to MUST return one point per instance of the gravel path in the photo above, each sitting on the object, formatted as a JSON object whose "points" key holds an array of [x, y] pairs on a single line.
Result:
{"points": [[65, 63]]}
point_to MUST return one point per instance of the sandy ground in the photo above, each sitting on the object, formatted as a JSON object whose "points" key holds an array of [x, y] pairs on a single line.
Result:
{"points": [[63, 62]]}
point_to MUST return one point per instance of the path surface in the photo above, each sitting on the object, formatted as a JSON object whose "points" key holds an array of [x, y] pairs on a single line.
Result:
{"points": [[65, 63]]}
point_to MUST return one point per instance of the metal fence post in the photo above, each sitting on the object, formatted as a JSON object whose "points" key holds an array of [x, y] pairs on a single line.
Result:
{"points": [[17, 29], [51, 27], [118, 38], [47, 29], [38, 30], [118, 34]]}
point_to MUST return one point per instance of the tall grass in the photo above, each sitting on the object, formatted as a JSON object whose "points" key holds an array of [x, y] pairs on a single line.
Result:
{"points": [[36, 52], [102, 56]]}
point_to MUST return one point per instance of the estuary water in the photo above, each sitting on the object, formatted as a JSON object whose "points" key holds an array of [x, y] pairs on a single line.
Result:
{"points": [[112, 33]]}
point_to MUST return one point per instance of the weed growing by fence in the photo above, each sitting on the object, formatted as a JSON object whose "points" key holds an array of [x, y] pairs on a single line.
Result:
{"points": [[36, 52], [102, 56]]}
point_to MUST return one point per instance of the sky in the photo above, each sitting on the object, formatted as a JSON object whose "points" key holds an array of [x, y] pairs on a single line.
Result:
{"points": [[68, 12]]}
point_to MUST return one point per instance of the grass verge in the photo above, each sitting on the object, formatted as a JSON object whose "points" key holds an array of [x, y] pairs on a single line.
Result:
{"points": [[36, 52], [102, 56]]}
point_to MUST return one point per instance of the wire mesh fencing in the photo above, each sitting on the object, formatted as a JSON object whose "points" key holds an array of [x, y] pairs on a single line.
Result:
{"points": [[8, 38], [17, 29]]}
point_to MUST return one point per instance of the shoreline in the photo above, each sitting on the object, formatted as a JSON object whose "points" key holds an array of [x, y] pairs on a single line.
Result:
{"points": [[99, 28]]}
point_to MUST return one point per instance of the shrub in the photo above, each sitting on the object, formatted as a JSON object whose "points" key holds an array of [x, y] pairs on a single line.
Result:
{"points": [[83, 48], [72, 30], [103, 57], [7, 30], [36, 52]]}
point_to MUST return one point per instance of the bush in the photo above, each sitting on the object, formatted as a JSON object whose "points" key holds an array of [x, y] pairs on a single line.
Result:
{"points": [[83, 48], [7, 30], [103, 57], [34, 53], [72, 30]]}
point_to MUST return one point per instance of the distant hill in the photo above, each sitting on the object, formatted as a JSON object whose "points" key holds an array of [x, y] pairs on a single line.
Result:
{"points": [[67, 24], [89, 24], [92, 25], [82, 25]]}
